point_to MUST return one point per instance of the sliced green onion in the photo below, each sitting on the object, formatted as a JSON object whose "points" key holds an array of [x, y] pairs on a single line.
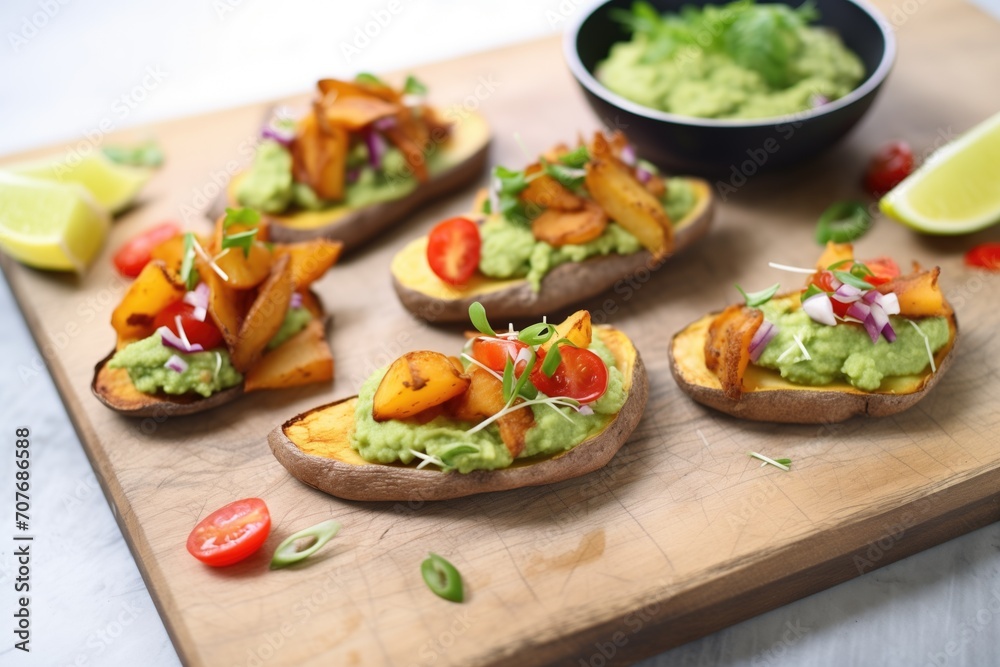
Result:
{"points": [[536, 334], [442, 578], [780, 463], [188, 274], [288, 552], [508, 379], [812, 290], [852, 280], [522, 381], [552, 360], [449, 452], [755, 299], [843, 222], [242, 240], [477, 315], [241, 216]]}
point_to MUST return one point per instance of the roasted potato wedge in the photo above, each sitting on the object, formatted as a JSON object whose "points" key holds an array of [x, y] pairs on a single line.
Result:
{"points": [[546, 192], [484, 398], [265, 315], [576, 329], [304, 358], [727, 347], [631, 205], [245, 270], [315, 447], [310, 259], [155, 288], [416, 382], [558, 227]]}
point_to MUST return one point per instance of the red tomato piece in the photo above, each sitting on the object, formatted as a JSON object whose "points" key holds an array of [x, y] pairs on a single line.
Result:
{"points": [[890, 165], [453, 248], [204, 333], [984, 256], [494, 352], [581, 375], [883, 270], [825, 281], [134, 254], [230, 533]]}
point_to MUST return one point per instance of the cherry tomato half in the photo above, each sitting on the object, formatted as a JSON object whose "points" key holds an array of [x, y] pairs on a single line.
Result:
{"points": [[825, 281], [984, 256], [890, 165], [581, 375], [883, 270], [134, 254], [230, 533], [494, 352], [453, 250], [204, 333]]}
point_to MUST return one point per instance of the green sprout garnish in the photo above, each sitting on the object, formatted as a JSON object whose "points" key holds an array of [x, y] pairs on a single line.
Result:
{"points": [[188, 274], [777, 463], [757, 299], [477, 314]]}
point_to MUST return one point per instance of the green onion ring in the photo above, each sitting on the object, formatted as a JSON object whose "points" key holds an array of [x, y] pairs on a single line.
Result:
{"points": [[442, 578], [287, 554]]}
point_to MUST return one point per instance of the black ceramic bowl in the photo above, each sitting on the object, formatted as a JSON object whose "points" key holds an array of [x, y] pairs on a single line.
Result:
{"points": [[717, 147]]}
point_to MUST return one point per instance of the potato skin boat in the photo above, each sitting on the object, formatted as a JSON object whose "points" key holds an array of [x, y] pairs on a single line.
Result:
{"points": [[335, 468], [469, 146], [769, 398], [427, 297]]}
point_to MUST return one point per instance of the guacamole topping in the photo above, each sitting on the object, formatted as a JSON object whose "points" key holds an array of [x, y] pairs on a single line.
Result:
{"points": [[845, 352], [738, 61], [145, 361], [295, 321], [391, 441], [510, 250]]}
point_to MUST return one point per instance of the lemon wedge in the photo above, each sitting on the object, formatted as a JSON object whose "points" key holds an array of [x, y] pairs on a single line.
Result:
{"points": [[957, 190], [50, 225], [113, 185]]}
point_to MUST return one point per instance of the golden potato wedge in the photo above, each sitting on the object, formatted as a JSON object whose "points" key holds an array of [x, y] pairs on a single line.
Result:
{"points": [[310, 259], [334, 89], [264, 317], [155, 288], [547, 192], [576, 328], [319, 156], [834, 253], [170, 252], [226, 306], [245, 270], [302, 359], [484, 398], [558, 227], [919, 294], [355, 113], [628, 203], [727, 346], [415, 382]]}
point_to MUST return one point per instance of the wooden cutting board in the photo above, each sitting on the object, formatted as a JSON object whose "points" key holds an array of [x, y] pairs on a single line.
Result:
{"points": [[682, 534]]}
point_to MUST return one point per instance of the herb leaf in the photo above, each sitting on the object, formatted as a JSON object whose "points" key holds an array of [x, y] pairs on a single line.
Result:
{"points": [[757, 299], [508, 184], [568, 177], [536, 334], [369, 78], [576, 158], [146, 154], [188, 274], [241, 216], [242, 240], [477, 315], [812, 290], [851, 279], [414, 86]]}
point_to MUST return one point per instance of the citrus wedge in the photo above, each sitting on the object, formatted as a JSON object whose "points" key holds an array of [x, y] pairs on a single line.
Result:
{"points": [[113, 185], [50, 225], [957, 190]]}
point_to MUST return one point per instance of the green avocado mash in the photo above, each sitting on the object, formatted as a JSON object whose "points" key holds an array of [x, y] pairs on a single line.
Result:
{"points": [[207, 372], [509, 249], [268, 184], [295, 321], [735, 61], [845, 352], [391, 441]]}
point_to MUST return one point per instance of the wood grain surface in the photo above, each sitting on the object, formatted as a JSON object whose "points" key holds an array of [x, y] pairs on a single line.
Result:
{"points": [[681, 534]]}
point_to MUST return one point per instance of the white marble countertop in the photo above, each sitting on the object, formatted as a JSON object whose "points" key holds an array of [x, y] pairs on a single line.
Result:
{"points": [[64, 66]]}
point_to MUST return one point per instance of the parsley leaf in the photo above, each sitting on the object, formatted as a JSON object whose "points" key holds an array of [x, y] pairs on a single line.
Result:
{"points": [[576, 158], [568, 177]]}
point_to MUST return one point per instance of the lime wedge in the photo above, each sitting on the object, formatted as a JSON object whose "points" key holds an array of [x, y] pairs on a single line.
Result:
{"points": [[113, 185], [50, 225], [957, 190]]}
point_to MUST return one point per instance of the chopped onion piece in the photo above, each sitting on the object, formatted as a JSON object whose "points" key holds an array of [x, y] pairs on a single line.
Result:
{"points": [[873, 331], [170, 339], [889, 333], [890, 303], [376, 148], [296, 301], [879, 317], [628, 157], [820, 309], [642, 175], [384, 123], [281, 136], [764, 335], [871, 296], [859, 311], [847, 293], [176, 364], [198, 299], [585, 410]]}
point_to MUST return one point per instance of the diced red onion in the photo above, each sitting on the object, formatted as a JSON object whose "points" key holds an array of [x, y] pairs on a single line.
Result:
{"points": [[764, 335], [170, 339], [873, 331], [198, 299], [820, 308], [871, 296], [296, 301], [524, 354], [879, 316], [376, 148], [176, 364], [890, 303], [642, 175], [628, 155], [585, 410], [384, 123], [889, 333], [859, 311], [847, 293], [283, 137]]}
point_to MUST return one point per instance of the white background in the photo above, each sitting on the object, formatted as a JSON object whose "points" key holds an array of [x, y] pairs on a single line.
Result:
{"points": [[66, 69]]}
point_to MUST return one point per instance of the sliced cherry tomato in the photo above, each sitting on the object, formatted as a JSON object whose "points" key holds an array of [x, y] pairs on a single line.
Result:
{"points": [[825, 281], [230, 533], [890, 165], [134, 254], [453, 250], [883, 270], [984, 256], [204, 333], [494, 352], [581, 375]]}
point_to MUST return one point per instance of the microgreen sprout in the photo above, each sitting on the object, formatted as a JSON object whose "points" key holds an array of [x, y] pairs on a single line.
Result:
{"points": [[777, 463], [757, 299]]}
